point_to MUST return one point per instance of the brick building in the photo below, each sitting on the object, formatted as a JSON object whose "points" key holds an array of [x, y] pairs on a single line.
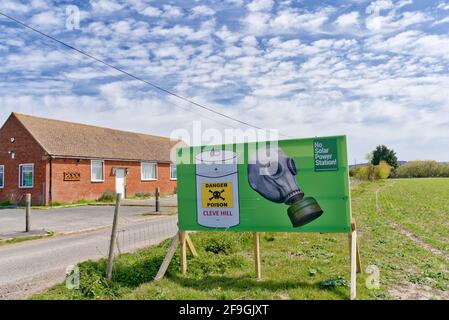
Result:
{"points": [[64, 161]]}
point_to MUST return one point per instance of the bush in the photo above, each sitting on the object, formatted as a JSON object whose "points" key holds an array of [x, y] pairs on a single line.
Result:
{"points": [[422, 169], [382, 170], [371, 172], [353, 171], [365, 172], [143, 195], [219, 245], [93, 284], [108, 196]]}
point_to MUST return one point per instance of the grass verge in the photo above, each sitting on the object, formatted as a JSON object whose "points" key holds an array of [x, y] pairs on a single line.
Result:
{"points": [[28, 238]]}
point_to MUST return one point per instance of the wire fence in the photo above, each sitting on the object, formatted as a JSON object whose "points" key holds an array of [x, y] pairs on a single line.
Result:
{"points": [[128, 237], [140, 235]]}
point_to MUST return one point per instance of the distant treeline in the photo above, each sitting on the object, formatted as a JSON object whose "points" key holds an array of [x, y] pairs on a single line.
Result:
{"points": [[411, 169], [422, 169]]}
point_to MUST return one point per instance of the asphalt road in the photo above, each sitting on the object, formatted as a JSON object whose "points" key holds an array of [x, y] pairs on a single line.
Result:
{"points": [[69, 220], [29, 267]]}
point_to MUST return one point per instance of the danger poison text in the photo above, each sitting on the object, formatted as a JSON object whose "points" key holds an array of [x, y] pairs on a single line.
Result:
{"points": [[217, 185]]}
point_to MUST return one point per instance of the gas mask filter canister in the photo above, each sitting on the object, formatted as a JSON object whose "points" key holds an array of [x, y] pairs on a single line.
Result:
{"points": [[272, 174]]}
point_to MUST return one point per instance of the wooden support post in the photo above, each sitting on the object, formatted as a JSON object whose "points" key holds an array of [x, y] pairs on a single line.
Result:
{"points": [[27, 212], [359, 262], [157, 195], [353, 264], [257, 255], [171, 252], [354, 252], [182, 238], [190, 245], [113, 237]]}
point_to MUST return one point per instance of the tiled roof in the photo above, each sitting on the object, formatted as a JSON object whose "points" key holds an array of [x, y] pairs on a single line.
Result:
{"points": [[68, 139]]}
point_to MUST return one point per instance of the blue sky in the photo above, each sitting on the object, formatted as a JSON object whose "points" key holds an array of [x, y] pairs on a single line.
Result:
{"points": [[376, 71]]}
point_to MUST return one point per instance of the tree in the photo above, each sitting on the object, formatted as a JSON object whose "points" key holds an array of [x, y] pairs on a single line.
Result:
{"points": [[385, 154]]}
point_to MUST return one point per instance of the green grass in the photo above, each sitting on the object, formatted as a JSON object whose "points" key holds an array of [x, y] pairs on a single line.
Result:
{"points": [[294, 266], [28, 238], [421, 206], [5, 203], [141, 196]]}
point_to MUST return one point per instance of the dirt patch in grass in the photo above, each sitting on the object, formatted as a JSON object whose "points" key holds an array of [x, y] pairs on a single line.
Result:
{"points": [[417, 292]]}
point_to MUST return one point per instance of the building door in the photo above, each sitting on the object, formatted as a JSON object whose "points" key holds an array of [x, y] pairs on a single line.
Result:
{"points": [[120, 181]]}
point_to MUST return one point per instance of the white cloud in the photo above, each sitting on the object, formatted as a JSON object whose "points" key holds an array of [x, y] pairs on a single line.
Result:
{"points": [[348, 19], [286, 21], [151, 11], [289, 20], [225, 35], [107, 6], [441, 21], [172, 11], [121, 27], [443, 6], [260, 5], [46, 19], [202, 11], [384, 16], [414, 43], [9, 5]]}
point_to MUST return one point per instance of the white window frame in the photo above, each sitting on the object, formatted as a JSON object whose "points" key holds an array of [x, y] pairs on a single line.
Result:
{"points": [[171, 178], [2, 167], [20, 176], [155, 171], [92, 171]]}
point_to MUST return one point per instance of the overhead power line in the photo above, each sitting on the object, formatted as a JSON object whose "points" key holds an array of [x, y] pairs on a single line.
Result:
{"points": [[130, 74]]}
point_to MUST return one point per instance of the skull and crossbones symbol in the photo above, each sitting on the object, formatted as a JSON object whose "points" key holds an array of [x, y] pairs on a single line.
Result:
{"points": [[216, 195]]}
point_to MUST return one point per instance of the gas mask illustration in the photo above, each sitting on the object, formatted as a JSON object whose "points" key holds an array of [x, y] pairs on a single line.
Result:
{"points": [[271, 173]]}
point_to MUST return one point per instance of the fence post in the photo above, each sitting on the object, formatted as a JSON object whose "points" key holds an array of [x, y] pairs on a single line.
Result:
{"points": [[157, 205], [27, 212], [113, 237]]}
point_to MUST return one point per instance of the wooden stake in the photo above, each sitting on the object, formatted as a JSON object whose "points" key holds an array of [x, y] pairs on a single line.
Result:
{"points": [[171, 252], [257, 255], [353, 264], [359, 262], [182, 236], [190, 245], [113, 237]]}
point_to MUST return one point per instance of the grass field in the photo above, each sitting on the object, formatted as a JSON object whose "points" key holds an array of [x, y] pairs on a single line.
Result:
{"points": [[422, 206], [299, 266]]}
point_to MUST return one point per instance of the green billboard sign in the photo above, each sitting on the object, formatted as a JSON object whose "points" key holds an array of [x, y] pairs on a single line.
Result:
{"points": [[298, 185]]}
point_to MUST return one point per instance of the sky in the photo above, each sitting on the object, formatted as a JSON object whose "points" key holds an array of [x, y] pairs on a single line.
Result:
{"points": [[376, 71]]}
